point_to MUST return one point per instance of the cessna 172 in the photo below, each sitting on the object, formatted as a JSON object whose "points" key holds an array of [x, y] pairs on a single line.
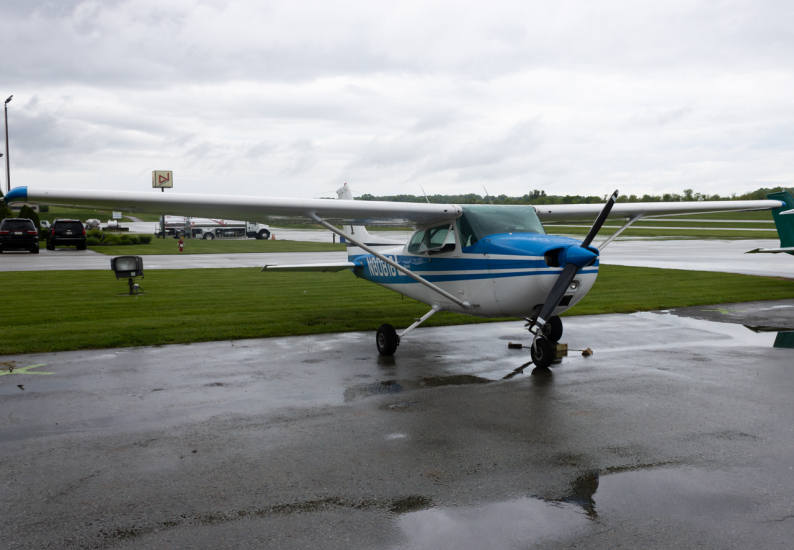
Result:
{"points": [[481, 260]]}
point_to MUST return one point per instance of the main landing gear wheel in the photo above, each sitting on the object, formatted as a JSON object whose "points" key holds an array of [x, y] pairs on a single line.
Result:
{"points": [[552, 330], [208, 236], [387, 340], [542, 353]]}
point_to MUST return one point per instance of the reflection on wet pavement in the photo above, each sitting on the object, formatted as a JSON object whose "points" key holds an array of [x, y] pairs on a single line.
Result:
{"points": [[512, 524], [642, 494], [784, 338]]}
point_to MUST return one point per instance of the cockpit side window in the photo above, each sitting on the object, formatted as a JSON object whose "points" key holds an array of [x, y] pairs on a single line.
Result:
{"points": [[416, 246], [434, 240]]}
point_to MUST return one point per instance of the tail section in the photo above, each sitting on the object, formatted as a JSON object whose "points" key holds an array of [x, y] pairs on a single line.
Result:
{"points": [[360, 233], [784, 218]]}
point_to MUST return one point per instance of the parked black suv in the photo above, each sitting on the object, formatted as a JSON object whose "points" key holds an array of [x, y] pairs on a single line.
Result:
{"points": [[66, 233], [19, 234]]}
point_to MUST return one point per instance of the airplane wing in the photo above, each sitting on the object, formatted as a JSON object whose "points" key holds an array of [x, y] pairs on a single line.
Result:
{"points": [[330, 268], [258, 209], [253, 209], [554, 212]]}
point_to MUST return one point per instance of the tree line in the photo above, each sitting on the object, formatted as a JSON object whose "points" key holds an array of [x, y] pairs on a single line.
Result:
{"points": [[540, 197]]}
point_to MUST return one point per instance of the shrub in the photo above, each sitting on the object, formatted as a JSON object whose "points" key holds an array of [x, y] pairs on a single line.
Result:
{"points": [[92, 241], [96, 233], [135, 239], [125, 237], [112, 239], [44, 208], [145, 239]]}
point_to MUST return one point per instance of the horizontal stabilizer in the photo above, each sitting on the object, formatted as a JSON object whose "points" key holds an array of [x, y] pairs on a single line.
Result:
{"points": [[790, 250], [340, 266]]}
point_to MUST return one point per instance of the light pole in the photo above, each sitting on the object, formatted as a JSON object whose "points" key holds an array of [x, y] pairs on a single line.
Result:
{"points": [[8, 162]]}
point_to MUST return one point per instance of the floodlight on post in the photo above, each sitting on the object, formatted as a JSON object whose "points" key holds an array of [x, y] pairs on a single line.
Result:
{"points": [[8, 162], [128, 267]]}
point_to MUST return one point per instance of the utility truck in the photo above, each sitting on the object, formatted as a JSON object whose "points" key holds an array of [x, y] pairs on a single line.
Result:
{"points": [[207, 228]]}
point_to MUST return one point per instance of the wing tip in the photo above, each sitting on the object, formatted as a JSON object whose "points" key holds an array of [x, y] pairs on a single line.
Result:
{"points": [[17, 194]]}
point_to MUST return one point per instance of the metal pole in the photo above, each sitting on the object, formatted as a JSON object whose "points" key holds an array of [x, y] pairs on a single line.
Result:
{"points": [[8, 160]]}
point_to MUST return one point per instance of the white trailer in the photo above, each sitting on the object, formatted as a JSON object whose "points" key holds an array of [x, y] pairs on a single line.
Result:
{"points": [[207, 228]]}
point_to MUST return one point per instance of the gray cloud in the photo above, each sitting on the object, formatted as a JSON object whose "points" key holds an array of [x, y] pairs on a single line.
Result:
{"points": [[654, 96]]}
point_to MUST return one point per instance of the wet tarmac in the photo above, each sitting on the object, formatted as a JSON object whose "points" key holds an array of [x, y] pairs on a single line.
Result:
{"points": [[701, 255], [712, 255], [677, 432]]}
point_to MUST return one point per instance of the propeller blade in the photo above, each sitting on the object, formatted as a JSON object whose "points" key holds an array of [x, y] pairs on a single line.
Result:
{"points": [[556, 294], [602, 217], [569, 272]]}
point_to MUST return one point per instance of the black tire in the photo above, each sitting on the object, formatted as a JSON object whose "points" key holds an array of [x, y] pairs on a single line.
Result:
{"points": [[81, 246], [263, 234], [542, 352], [50, 245], [386, 339], [35, 250], [552, 330], [208, 236]]}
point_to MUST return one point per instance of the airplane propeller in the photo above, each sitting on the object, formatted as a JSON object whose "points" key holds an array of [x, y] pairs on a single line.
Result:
{"points": [[575, 257]]}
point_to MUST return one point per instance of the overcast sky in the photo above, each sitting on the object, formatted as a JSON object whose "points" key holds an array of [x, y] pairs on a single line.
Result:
{"points": [[291, 98]]}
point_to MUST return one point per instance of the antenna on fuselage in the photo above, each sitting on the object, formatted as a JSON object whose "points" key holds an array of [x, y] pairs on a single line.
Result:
{"points": [[423, 192], [487, 195]]}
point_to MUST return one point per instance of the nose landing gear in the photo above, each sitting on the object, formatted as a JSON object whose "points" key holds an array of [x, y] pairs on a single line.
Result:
{"points": [[543, 349]]}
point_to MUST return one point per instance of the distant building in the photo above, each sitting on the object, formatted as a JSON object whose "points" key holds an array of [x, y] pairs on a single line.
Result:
{"points": [[17, 207]]}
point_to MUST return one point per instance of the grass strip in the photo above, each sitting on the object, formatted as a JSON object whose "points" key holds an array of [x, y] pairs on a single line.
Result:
{"points": [[70, 310], [170, 246], [672, 232]]}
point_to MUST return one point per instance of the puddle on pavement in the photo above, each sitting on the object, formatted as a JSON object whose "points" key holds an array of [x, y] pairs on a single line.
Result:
{"points": [[396, 386], [523, 522], [737, 335]]}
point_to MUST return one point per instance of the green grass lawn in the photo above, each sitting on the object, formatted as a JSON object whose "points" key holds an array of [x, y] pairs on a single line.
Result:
{"points": [[218, 246], [68, 310]]}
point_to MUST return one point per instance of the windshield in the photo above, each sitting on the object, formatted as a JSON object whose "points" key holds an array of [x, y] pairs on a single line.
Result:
{"points": [[481, 220]]}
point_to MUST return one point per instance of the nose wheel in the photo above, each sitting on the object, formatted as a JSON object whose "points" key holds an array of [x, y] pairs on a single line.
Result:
{"points": [[543, 345], [542, 353]]}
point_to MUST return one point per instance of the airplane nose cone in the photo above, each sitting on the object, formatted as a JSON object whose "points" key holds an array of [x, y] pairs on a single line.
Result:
{"points": [[578, 256]]}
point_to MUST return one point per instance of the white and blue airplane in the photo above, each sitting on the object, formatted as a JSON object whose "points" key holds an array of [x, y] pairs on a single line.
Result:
{"points": [[481, 260]]}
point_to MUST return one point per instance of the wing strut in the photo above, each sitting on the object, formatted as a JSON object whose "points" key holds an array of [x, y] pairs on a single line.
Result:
{"points": [[462, 303], [625, 226]]}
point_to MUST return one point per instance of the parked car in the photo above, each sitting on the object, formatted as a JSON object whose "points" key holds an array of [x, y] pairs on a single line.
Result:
{"points": [[19, 234], [66, 233], [44, 224]]}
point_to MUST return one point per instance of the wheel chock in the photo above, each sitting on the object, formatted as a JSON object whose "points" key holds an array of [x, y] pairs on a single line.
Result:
{"points": [[560, 351], [517, 345]]}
